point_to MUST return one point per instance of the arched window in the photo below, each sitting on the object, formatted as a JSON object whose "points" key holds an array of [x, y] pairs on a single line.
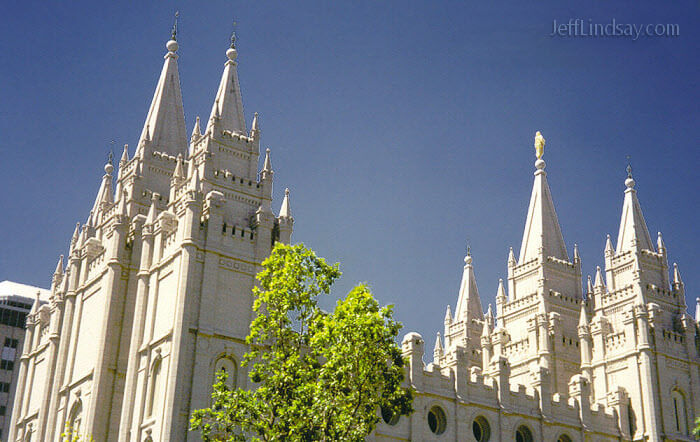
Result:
{"points": [[228, 366], [523, 434], [564, 438], [389, 416], [481, 429], [680, 422], [437, 421], [156, 388], [75, 419]]}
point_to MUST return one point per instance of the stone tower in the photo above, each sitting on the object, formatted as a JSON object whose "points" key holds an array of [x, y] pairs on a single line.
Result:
{"points": [[620, 364], [641, 346], [156, 294], [541, 310]]}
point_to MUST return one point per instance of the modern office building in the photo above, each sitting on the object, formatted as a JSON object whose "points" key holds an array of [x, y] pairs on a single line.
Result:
{"points": [[16, 301]]}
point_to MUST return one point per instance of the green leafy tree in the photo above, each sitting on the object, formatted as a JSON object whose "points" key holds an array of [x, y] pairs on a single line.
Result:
{"points": [[696, 430], [320, 376]]}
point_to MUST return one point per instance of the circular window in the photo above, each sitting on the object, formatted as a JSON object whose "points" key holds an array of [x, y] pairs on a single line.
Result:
{"points": [[523, 434], [437, 420], [389, 416], [564, 438], [481, 429]]}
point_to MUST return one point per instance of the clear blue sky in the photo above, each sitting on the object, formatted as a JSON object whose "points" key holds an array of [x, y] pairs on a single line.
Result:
{"points": [[403, 129]]}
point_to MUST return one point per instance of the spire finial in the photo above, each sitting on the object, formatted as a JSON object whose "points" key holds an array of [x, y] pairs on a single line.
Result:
{"points": [[110, 157], [172, 45], [629, 182], [231, 53], [539, 145], [233, 36], [173, 34], [468, 257], [109, 167], [629, 166], [539, 151]]}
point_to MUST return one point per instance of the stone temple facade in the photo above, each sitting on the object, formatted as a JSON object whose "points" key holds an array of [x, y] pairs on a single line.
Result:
{"points": [[155, 294], [617, 361], [154, 297]]}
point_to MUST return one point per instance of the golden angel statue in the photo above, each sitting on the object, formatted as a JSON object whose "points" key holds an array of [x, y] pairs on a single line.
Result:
{"points": [[539, 145]]}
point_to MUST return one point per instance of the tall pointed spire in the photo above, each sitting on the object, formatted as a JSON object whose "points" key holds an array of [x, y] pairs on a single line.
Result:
{"points": [[501, 292], [511, 258], [74, 238], [486, 330], [697, 310], [267, 164], [104, 195], [125, 156], [583, 316], [448, 315], [165, 129], [660, 245], [542, 231], [254, 129], [179, 172], [676, 275], [598, 278], [59, 266], [608, 245], [633, 231], [489, 315], [197, 131], [285, 210], [228, 105], [438, 350], [37, 304], [469, 302], [589, 286]]}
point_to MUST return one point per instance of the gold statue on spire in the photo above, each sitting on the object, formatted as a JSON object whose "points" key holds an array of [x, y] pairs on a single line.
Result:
{"points": [[539, 145]]}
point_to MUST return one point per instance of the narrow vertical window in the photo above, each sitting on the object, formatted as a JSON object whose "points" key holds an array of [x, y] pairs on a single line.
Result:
{"points": [[156, 390], [680, 422]]}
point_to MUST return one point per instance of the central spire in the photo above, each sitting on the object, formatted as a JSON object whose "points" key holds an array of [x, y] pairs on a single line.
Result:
{"points": [[165, 128], [228, 105], [633, 231], [468, 302], [542, 231]]}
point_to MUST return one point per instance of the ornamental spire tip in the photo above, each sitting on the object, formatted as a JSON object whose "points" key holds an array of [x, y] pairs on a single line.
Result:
{"points": [[539, 145], [173, 34]]}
